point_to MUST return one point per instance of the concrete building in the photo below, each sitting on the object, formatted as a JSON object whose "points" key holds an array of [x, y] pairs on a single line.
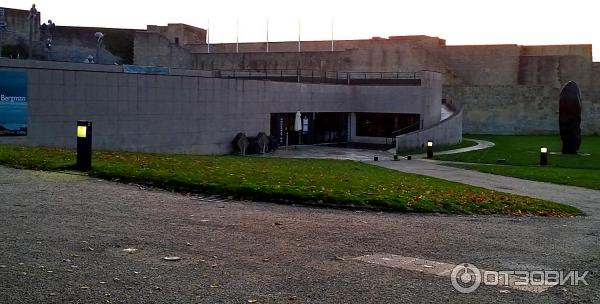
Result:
{"points": [[196, 111]]}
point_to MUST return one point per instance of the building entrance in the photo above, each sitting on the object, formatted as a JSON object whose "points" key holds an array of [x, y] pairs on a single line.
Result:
{"points": [[317, 128]]}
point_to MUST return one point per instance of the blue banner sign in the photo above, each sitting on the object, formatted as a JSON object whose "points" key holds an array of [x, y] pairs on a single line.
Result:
{"points": [[13, 103], [138, 69]]}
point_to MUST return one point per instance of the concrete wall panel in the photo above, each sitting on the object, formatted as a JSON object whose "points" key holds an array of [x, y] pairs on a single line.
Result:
{"points": [[187, 114], [446, 132]]}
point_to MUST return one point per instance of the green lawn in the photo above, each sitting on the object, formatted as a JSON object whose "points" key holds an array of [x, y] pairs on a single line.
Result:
{"points": [[310, 181], [519, 156]]}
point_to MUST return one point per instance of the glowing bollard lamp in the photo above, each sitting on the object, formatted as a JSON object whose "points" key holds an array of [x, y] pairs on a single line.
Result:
{"points": [[429, 149], [543, 156], [84, 145]]}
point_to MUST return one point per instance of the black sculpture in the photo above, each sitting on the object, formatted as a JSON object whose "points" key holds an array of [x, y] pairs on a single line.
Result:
{"points": [[569, 118]]}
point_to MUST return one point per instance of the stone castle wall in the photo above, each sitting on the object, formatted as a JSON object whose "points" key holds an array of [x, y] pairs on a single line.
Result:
{"points": [[164, 52], [181, 34], [74, 44], [595, 76], [519, 109], [360, 55], [17, 28], [484, 65]]}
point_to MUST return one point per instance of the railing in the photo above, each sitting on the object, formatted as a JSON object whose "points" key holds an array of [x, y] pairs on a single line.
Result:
{"points": [[303, 76], [329, 77], [392, 138]]}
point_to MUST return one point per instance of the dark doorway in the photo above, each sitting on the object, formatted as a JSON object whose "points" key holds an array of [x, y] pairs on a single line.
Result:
{"points": [[384, 124], [330, 128], [316, 128]]}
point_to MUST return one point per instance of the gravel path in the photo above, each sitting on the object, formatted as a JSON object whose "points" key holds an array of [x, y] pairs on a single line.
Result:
{"points": [[63, 236]]}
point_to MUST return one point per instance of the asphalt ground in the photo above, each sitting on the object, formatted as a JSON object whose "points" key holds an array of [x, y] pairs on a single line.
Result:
{"points": [[62, 238]]}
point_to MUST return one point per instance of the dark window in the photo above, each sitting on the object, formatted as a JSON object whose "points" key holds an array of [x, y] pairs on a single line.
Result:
{"points": [[384, 124], [177, 40]]}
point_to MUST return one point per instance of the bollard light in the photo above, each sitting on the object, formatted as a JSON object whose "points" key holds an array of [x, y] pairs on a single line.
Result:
{"points": [[408, 157], [84, 145], [376, 158], [543, 156], [429, 149]]}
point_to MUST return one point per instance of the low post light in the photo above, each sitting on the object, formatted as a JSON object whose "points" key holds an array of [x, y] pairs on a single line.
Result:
{"points": [[543, 156], [429, 149], [376, 158], [84, 145]]}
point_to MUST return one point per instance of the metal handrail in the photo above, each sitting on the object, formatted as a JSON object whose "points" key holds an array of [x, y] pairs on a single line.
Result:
{"points": [[405, 129], [323, 76]]}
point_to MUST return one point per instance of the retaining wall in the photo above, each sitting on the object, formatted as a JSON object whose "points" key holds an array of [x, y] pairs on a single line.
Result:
{"points": [[446, 132]]}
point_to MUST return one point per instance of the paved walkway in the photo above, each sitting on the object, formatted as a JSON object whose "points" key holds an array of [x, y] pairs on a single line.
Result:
{"points": [[481, 144], [586, 199], [323, 152]]}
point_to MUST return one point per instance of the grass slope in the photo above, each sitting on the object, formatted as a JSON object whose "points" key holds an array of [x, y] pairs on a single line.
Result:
{"points": [[290, 180]]}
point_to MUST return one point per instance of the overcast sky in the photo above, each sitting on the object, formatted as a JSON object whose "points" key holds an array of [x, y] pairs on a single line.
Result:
{"points": [[526, 22]]}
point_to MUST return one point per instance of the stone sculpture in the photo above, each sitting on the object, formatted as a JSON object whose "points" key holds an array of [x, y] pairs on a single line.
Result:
{"points": [[569, 118], [263, 142], [241, 143]]}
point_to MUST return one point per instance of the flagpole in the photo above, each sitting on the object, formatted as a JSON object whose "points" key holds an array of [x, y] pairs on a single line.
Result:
{"points": [[208, 36], [237, 35], [299, 26], [267, 35], [332, 34]]}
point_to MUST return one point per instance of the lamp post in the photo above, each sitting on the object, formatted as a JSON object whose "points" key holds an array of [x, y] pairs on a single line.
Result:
{"points": [[543, 156], [100, 37], [32, 16], [84, 145], [429, 149]]}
